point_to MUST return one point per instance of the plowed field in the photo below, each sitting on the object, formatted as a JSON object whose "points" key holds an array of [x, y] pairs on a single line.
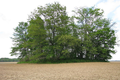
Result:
{"points": [[64, 71]]}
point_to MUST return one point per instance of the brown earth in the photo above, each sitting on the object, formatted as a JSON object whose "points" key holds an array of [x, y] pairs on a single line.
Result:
{"points": [[65, 71]]}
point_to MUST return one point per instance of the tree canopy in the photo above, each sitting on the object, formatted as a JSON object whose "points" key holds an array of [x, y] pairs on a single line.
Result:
{"points": [[51, 35]]}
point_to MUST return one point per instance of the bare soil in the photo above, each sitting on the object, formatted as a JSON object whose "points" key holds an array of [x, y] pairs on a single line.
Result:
{"points": [[64, 71]]}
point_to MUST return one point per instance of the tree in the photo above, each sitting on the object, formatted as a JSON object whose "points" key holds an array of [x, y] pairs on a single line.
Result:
{"points": [[91, 24], [105, 40], [56, 24], [38, 39], [20, 37]]}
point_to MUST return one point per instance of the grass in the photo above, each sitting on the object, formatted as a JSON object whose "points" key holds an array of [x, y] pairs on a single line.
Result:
{"points": [[61, 61]]}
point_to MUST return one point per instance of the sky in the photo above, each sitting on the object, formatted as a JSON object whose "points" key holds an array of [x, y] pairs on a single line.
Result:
{"points": [[14, 11]]}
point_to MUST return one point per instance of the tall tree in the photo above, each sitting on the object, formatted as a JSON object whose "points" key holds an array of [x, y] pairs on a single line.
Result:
{"points": [[104, 40], [19, 39], [38, 36], [90, 22], [55, 21]]}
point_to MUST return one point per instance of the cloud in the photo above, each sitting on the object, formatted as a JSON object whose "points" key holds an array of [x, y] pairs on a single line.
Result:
{"points": [[108, 6], [72, 4], [2, 17], [117, 14]]}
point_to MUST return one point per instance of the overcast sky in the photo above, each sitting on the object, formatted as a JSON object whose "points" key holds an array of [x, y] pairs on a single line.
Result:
{"points": [[14, 11]]}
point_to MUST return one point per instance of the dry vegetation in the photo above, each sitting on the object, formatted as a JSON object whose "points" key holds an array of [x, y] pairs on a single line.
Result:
{"points": [[65, 71]]}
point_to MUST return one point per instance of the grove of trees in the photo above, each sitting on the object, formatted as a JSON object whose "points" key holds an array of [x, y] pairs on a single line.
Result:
{"points": [[51, 35]]}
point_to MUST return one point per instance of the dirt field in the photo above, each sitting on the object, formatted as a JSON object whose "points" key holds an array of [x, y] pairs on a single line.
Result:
{"points": [[65, 71]]}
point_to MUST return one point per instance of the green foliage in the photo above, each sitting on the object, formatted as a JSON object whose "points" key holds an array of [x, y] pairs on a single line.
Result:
{"points": [[52, 36], [20, 38], [8, 60]]}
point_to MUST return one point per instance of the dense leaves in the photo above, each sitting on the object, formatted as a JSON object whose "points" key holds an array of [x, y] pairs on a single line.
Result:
{"points": [[51, 35]]}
